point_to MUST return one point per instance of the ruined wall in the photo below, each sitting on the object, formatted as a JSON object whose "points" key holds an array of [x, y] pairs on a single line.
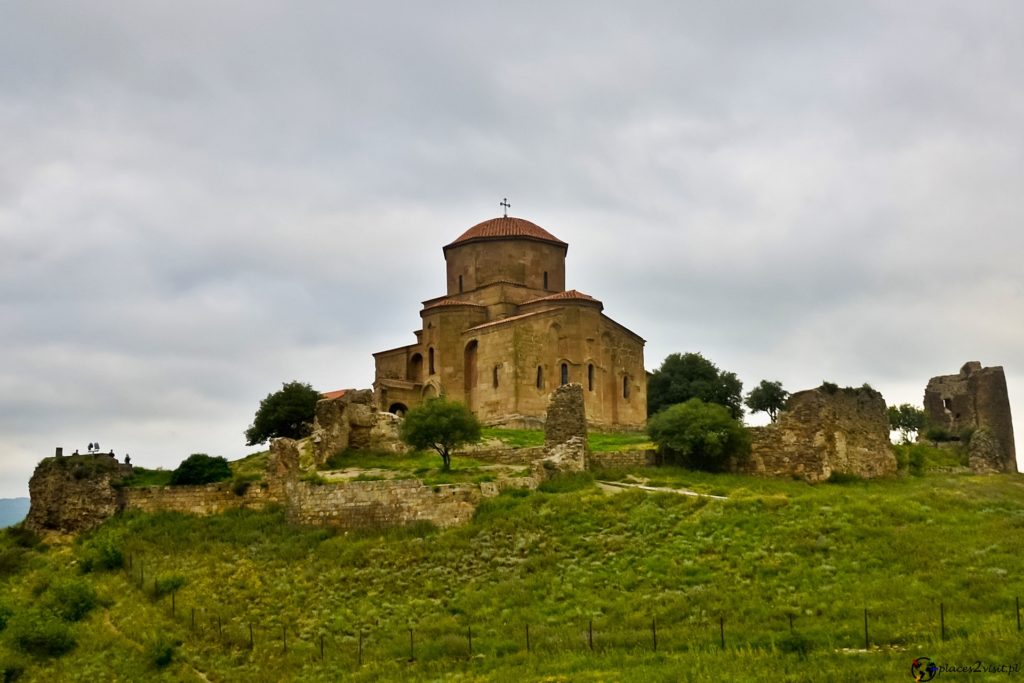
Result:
{"points": [[566, 415], [820, 433], [352, 421], [379, 504], [205, 499], [975, 399], [74, 493], [622, 459]]}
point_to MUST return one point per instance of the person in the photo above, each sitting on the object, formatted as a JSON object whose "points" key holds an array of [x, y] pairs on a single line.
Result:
{"points": [[127, 459]]}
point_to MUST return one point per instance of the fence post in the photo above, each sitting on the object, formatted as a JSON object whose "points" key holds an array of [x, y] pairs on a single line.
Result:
{"points": [[220, 630], [527, 638], [867, 643], [1018, 613], [252, 641], [284, 638], [942, 620], [321, 647], [172, 602], [193, 618], [654, 633], [590, 635], [412, 647], [469, 637], [360, 647], [790, 622], [721, 630]]}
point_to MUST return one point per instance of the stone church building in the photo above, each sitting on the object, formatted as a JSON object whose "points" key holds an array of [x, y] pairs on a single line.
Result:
{"points": [[507, 333]]}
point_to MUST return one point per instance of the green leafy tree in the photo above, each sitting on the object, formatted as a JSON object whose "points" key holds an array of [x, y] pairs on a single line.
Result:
{"points": [[907, 419], [200, 468], [691, 375], [768, 397], [285, 413], [699, 435], [442, 425]]}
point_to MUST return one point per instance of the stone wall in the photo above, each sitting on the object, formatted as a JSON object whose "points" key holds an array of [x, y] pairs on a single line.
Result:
{"points": [[819, 433], [507, 456], [379, 504], [352, 421], [622, 459], [206, 499], [975, 399]]}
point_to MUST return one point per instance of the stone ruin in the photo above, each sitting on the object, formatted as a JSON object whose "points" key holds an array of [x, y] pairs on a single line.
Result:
{"points": [[821, 432], [975, 401], [352, 421], [71, 493], [565, 431]]}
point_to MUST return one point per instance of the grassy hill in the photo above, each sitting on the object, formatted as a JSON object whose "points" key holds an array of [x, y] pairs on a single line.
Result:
{"points": [[783, 570]]}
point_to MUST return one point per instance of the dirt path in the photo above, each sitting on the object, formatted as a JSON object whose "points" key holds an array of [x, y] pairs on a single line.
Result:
{"points": [[618, 487]]}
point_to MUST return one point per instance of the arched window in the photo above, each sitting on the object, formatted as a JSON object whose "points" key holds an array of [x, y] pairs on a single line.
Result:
{"points": [[625, 386], [460, 284], [590, 377], [540, 377], [430, 360], [545, 279], [494, 376], [565, 374]]}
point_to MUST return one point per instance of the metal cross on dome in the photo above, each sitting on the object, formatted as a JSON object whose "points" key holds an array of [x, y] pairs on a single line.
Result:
{"points": [[504, 202]]}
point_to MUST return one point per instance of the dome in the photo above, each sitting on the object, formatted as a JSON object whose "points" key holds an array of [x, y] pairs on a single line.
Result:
{"points": [[506, 227]]}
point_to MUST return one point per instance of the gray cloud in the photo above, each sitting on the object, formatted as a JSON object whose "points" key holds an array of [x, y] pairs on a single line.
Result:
{"points": [[199, 202]]}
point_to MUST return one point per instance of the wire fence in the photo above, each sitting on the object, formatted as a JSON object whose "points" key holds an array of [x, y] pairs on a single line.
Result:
{"points": [[448, 636]]}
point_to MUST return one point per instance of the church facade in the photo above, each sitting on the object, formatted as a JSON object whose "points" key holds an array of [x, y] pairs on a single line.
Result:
{"points": [[507, 333]]}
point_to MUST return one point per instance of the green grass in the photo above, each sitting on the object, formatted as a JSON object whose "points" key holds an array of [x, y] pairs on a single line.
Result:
{"points": [[252, 467], [422, 465], [599, 442], [558, 560], [145, 477]]}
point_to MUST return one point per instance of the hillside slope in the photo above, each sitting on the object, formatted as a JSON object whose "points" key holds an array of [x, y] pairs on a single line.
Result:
{"points": [[782, 571]]}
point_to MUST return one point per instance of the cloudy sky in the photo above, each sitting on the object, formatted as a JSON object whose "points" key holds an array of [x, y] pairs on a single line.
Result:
{"points": [[202, 200]]}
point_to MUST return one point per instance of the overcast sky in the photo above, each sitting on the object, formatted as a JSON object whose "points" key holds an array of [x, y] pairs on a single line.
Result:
{"points": [[202, 200]]}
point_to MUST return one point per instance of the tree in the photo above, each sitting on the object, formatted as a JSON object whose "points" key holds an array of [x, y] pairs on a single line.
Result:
{"points": [[768, 397], [907, 419], [442, 425], [699, 435], [200, 468], [288, 413], [690, 375]]}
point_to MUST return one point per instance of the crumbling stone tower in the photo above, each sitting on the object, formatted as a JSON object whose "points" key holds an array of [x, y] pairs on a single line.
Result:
{"points": [[976, 399]]}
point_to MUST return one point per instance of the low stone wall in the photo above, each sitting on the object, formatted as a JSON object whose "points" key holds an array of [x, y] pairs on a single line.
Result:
{"points": [[390, 503], [622, 459], [507, 456], [206, 499]]}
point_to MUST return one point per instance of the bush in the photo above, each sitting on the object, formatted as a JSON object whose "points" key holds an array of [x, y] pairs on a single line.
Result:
{"points": [[699, 435], [23, 537], [102, 554], [12, 561], [5, 615], [40, 633], [161, 651], [165, 585], [844, 478], [200, 468], [567, 482], [72, 599]]}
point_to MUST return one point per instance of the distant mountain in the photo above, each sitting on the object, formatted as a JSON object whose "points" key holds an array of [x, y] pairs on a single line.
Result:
{"points": [[12, 510]]}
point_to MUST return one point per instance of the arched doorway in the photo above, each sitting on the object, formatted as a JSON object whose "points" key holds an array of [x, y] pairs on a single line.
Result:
{"points": [[399, 409], [415, 370]]}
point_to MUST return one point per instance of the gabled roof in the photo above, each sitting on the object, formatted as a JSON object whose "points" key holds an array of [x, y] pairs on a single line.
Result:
{"points": [[570, 294], [333, 394], [451, 302], [503, 228]]}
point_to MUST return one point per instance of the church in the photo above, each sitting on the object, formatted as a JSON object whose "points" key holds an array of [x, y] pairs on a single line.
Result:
{"points": [[507, 332]]}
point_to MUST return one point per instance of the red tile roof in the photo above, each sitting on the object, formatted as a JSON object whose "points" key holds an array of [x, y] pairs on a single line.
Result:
{"points": [[506, 227], [452, 302], [562, 296], [333, 394]]}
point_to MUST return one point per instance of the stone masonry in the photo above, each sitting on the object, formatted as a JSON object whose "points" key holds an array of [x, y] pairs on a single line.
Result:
{"points": [[566, 415], [352, 421], [819, 433], [75, 493], [975, 400]]}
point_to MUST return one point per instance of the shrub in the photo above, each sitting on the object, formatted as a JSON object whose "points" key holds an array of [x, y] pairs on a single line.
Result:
{"points": [[102, 554], [844, 478], [40, 633], [161, 651], [23, 537], [829, 388], [5, 615], [12, 561], [71, 599], [796, 644], [700, 435], [165, 585], [200, 468]]}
